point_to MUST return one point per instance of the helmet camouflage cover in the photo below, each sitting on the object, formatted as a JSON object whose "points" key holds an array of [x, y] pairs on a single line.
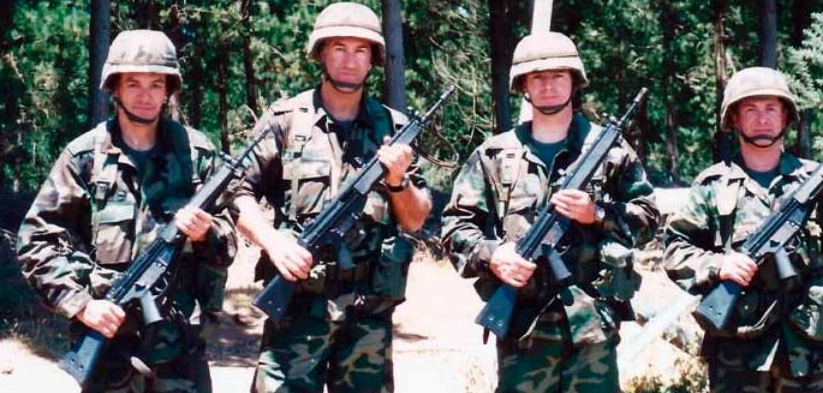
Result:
{"points": [[346, 19], [756, 81], [141, 51], [544, 52]]}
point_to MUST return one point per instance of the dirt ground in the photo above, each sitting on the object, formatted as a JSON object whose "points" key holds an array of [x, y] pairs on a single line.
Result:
{"points": [[437, 347]]}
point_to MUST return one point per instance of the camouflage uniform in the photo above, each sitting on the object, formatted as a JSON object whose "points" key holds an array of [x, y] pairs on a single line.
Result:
{"points": [[558, 338], [776, 342], [338, 327], [94, 215]]}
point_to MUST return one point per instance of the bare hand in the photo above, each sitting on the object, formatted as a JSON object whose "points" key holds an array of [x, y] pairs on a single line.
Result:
{"points": [[510, 267], [576, 205], [102, 316], [291, 260], [396, 159], [193, 222], [738, 268]]}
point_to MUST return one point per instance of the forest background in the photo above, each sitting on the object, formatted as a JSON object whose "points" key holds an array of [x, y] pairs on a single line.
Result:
{"points": [[238, 55]]}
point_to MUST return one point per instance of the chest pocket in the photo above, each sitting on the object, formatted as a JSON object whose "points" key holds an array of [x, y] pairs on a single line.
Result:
{"points": [[308, 182], [114, 231], [517, 191]]}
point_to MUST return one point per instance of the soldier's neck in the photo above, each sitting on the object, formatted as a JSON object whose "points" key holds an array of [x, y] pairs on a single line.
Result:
{"points": [[140, 137], [551, 128], [343, 106], [759, 159]]}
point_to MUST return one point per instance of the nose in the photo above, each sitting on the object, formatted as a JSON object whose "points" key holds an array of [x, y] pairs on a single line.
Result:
{"points": [[763, 117]]}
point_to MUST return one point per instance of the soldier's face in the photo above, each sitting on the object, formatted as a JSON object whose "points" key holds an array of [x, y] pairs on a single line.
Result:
{"points": [[548, 88], [142, 94], [347, 59], [761, 119]]}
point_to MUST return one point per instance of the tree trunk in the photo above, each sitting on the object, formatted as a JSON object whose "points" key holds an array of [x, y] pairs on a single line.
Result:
{"points": [[222, 98], [801, 19], [767, 33], [248, 57], [641, 146], [146, 14], [500, 38], [99, 39], [195, 74], [395, 59], [719, 15], [8, 100], [175, 33], [668, 17]]}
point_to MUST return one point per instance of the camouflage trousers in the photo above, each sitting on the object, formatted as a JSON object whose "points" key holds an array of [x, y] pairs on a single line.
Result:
{"points": [[550, 363], [176, 366], [302, 353], [724, 379]]}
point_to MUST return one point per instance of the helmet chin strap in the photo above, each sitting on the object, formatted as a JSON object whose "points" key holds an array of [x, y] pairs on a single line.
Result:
{"points": [[549, 109], [134, 118], [772, 140], [340, 86]]}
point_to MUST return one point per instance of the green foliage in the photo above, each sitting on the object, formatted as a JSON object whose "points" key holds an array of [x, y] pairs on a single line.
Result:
{"points": [[625, 44], [46, 70], [805, 66]]}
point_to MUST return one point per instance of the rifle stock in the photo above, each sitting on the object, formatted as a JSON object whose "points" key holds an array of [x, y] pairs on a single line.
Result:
{"points": [[335, 220], [541, 240]]}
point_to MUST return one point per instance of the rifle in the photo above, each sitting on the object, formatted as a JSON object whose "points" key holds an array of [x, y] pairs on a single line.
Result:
{"points": [[769, 239], [339, 216], [148, 277], [543, 237]]}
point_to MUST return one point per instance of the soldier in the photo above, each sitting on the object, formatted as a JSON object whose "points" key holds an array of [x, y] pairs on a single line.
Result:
{"points": [[105, 200], [775, 345], [338, 328], [560, 339]]}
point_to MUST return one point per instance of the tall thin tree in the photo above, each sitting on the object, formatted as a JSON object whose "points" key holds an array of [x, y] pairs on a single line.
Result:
{"points": [[767, 33], [99, 39], [801, 19], [248, 56], [667, 16], [395, 59], [222, 97], [501, 36]]}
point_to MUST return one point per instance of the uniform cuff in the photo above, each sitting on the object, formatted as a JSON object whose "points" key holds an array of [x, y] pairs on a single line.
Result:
{"points": [[72, 303], [483, 255]]}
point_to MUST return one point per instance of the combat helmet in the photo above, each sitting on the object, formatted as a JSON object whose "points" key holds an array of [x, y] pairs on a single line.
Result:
{"points": [[347, 19], [756, 81], [543, 52], [142, 51]]}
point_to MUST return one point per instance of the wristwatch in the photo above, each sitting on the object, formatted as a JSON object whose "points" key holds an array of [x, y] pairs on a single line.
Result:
{"points": [[402, 186]]}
